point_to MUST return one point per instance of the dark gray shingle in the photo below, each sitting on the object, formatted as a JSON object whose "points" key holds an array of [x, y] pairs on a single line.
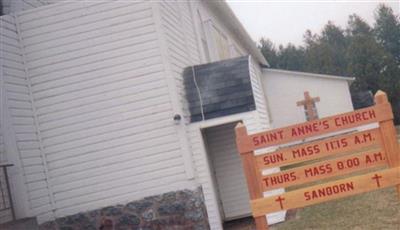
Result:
{"points": [[224, 86]]}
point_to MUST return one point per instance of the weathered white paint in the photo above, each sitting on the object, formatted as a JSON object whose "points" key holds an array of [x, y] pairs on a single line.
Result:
{"points": [[211, 18], [264, 123], [5, 215], [284, 88], [202, 163], [205, 169], [255, 121], [103, 104], [11, 6], [104, 81], [6, 6], [19, 133], [2, 104], [2, 147], [259, 94], [227, 169], [172, 21], [182, 52]]}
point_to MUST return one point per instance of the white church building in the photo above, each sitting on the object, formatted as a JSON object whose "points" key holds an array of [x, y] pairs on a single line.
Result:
{"points": [[124, 111]]}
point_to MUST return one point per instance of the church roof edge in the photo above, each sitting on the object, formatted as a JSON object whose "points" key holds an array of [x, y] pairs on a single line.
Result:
{"points": [[307, 74]]}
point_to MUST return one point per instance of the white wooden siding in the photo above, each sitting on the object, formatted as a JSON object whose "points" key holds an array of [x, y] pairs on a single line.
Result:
{"points": [[3, 157], [18, 105], [12, 6], [212, 19], [180, 39], [204, 168], [258, 93], [264, 123], [202, 159], [5, 214], [31, 4], [183, 51], [227, 167], [285, 88], [6, 6], [96, 86], [178, 51], [102, 104]]}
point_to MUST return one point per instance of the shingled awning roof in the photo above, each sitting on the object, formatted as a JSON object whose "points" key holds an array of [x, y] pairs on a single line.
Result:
{"points": [[219, 89]]}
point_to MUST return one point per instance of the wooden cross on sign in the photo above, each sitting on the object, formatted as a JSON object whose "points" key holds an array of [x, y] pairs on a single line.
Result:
{"points": [[309, 106]]}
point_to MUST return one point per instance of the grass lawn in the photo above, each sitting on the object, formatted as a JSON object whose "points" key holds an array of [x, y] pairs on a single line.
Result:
{"points": [[375, 210]]}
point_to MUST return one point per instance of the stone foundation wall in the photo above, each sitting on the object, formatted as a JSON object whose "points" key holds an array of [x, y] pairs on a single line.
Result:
{"points": [[174, 210]]}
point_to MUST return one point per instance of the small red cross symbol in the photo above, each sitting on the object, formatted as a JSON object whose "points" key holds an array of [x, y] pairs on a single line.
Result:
{"points": [[377, 177], [280, 199]]}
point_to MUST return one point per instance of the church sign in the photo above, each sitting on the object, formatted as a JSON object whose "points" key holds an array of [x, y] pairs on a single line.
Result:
{"points": [[374, 152]]}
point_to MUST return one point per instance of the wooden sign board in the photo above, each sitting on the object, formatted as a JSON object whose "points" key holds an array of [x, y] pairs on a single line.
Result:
{"points": [[324, 169], [319, 149], [327, 191], [340, 155], [349, 120]]}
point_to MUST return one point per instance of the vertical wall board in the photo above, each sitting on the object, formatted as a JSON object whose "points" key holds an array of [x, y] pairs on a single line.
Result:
{"points": [[102, 106], [265, 123], [204, 171], [100, 81], [226, 164], [179, 50], [5, 215], [19, 132], [259, 94]]}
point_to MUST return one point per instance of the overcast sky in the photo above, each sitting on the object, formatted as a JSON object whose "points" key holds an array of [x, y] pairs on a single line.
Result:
{"points": [[286, 21]]}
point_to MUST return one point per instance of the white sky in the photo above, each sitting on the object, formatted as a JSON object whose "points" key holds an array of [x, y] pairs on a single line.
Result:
{"points": [[286, 21]]}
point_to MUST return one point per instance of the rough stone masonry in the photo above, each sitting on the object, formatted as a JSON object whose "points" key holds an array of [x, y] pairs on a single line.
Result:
{"points": [[172, 211]]}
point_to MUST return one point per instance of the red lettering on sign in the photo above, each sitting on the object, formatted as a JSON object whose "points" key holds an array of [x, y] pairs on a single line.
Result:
{"points": [[267, 138], [309, 128], [320, 170], [363, 139], [379, 157], [325, 124], [328, 191], [279, 179], [354, 118], [349, 163], [377, 177], [306, 151], [273, 158], [280, 199], [337, 144]]}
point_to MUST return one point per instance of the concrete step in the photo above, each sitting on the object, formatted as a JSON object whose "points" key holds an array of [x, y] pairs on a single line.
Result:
{"points": [[22, 224]]}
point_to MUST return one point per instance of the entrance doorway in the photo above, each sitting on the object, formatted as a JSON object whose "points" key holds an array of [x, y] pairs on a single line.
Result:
{"points": [[226, 167]]}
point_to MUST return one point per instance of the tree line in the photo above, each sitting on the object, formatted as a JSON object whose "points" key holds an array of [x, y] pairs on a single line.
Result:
{"points": [[371, 54]]}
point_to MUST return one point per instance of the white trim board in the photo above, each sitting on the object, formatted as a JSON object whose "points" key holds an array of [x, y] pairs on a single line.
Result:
{"points": [[306, 74]]}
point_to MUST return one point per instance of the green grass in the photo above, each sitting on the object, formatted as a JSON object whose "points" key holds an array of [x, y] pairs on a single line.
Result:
{"points": [[374, 210]]}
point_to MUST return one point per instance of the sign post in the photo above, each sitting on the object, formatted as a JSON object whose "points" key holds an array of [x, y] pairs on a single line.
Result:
{"points": [[369, 150], [251, 172], [389, 137]]}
